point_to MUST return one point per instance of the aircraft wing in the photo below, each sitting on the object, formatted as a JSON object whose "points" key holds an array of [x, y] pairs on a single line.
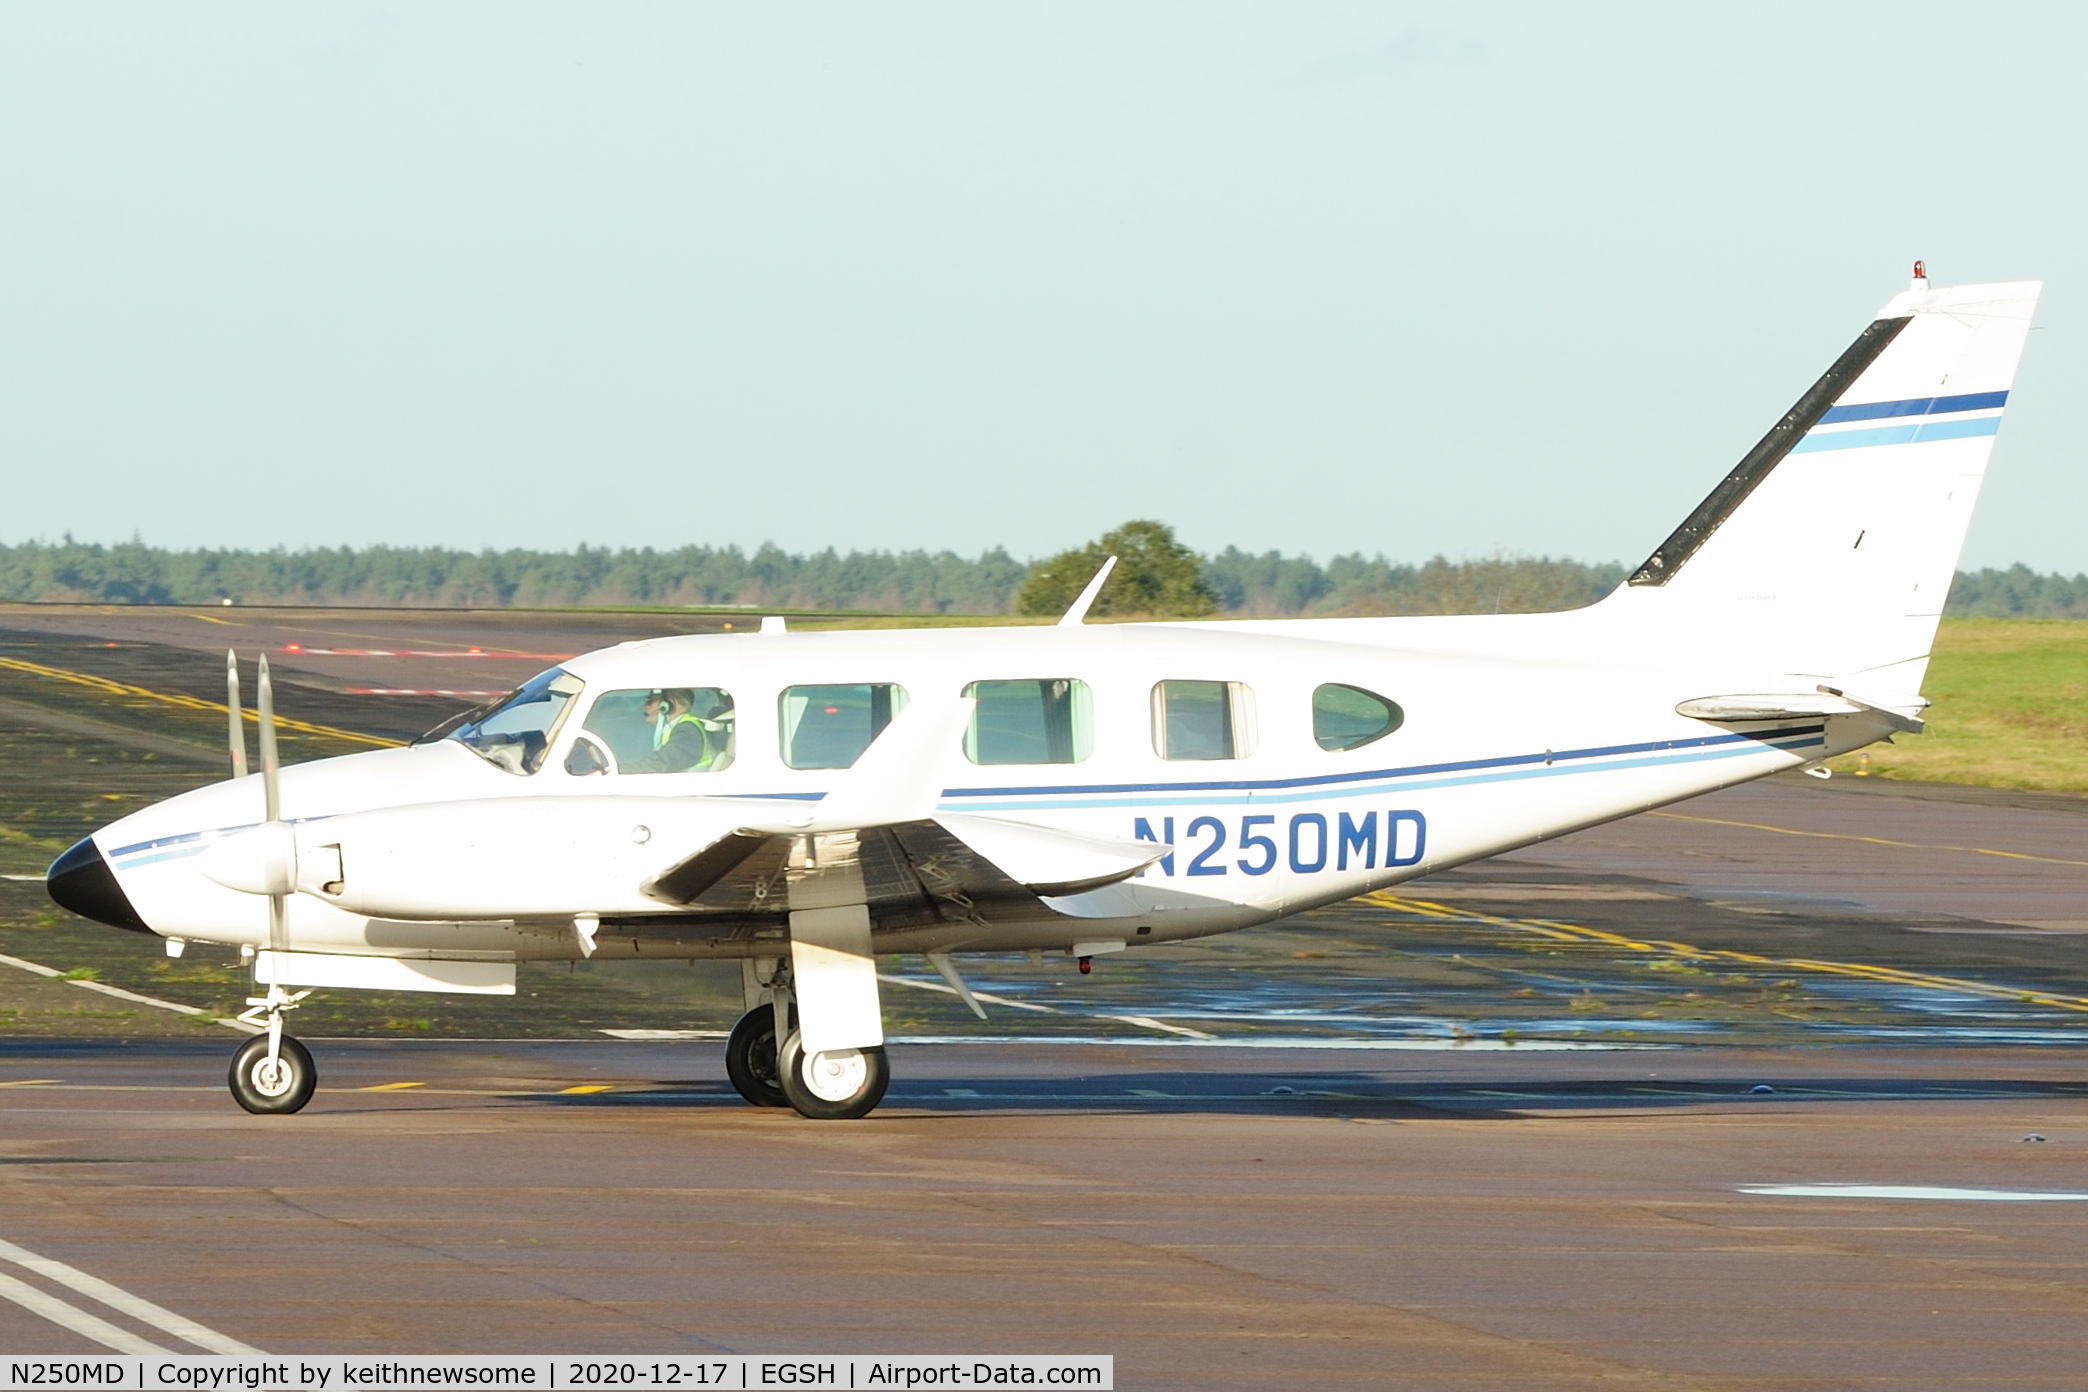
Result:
{"points": [[953, 858], [880, 823]]}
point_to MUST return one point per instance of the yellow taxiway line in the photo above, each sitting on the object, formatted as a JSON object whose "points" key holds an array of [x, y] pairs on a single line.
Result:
{"points": [[118, 688], [1871, 840], [1659, 947]]}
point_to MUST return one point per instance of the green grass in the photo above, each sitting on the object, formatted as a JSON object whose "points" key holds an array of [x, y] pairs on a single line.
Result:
{"points": [[2011, 709]]}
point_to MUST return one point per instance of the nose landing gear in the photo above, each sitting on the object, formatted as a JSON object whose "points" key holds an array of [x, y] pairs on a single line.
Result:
{"points": [[272, 1072]]}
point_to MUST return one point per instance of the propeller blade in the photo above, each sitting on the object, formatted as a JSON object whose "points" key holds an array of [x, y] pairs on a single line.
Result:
{"points": [[272, 801], [238, 730], [264, 708]]}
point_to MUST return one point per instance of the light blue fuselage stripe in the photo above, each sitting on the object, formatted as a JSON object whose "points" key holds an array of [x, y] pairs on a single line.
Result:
{"points": [[1896, 434], [1079, 804], [182, 854]]}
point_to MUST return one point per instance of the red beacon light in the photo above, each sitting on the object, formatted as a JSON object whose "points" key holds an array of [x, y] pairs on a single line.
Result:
{"points": [[1920, 275]]}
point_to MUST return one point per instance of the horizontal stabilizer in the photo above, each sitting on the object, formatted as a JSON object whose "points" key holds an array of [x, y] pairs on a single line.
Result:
{"points": [[1048, 861], [1803, 705]]}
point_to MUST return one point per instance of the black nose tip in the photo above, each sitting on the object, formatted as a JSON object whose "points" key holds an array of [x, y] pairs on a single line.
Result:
{"points": [[81, 880]]}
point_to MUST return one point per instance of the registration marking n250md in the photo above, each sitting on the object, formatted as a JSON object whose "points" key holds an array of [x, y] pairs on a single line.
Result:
{"points": [[1306, 842]]}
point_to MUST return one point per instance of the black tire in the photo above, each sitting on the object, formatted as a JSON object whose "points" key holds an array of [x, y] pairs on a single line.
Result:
{"points": [[750, 1058], [287, 1091], [837, 1086]]}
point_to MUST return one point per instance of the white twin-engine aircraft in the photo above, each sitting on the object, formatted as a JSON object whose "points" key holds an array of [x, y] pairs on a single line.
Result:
{"points": [[804, 801]]}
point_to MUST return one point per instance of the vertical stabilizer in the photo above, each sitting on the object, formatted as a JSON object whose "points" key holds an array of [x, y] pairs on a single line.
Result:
{"points": [[1830, 548]]}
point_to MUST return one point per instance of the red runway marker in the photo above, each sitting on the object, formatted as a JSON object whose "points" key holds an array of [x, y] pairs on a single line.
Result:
{"points": [[404, 652]]}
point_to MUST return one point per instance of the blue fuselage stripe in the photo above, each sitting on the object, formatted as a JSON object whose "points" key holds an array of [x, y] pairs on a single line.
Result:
{"points": [[1260, 799], [1918, 406], [1549, 756], [1078, 797]]}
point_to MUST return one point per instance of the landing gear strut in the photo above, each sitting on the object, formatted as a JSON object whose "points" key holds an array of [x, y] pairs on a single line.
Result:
{"points": [[272, 1072]]}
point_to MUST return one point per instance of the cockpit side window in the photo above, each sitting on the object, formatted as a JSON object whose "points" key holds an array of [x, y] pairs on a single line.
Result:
{"points": [[514, 732], [1348, 717], [829, 727], [1032, 721], [659, 729]]}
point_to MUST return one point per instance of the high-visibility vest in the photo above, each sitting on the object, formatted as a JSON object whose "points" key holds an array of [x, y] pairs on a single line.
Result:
{"points": [[664, 731]]}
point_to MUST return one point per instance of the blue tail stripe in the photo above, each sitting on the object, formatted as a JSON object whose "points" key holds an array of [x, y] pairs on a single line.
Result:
{"points": [[1917, 406]]}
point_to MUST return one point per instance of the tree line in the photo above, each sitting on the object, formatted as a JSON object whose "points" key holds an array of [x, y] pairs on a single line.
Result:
{"points": [[1236, 582]]}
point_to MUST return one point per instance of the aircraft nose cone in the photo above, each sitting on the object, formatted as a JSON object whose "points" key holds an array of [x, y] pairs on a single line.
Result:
{"points": [[81, 880]]}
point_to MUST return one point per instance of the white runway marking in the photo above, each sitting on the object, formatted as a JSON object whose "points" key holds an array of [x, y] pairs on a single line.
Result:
{"points": [[113, 1296], [74, 1318], [1912, 1191], [1199, 1040], [1140, 1021], [18, 964], [119, 993], [1473, 1046]]}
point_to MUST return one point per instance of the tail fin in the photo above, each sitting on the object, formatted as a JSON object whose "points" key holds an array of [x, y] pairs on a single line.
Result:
{"points": [[1833, 543]]}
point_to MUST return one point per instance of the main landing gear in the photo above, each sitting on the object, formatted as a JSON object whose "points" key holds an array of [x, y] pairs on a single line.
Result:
{"points": [[834, 1085], [272, 1072], [750, 1058]]}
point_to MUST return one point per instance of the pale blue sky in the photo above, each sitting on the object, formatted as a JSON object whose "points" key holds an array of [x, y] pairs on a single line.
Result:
{"points": [[1314, 277]]}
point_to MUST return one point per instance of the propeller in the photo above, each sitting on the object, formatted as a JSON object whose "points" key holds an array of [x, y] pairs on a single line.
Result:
{"points": [[262, 859]]}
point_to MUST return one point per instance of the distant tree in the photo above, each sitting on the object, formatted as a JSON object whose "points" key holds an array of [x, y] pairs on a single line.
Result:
{"points": [[1155, 576]]}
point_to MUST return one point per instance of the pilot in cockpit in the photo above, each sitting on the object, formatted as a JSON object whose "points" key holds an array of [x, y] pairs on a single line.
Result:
{"points": [[683, 741]]}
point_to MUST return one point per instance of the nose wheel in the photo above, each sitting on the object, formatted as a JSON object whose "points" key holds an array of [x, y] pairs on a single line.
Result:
{"points": [[272, 1072], [279, 1081]]}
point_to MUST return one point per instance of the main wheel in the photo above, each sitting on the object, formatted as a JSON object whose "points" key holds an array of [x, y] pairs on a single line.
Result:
{"points": [[838, 1085], [750, 1058], [282, 1086]]}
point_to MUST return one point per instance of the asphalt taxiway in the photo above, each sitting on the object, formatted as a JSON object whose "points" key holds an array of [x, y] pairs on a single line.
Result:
{"points": [[1211, 1217]]}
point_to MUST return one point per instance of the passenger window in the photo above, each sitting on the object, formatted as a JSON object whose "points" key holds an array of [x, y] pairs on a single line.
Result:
{"points": [[1348, 717], [1044, 720], [829, 727], [1203, 720], [661, 729]]}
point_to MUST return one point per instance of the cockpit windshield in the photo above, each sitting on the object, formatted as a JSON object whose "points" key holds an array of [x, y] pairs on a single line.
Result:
{"points": [[514, 732]]}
